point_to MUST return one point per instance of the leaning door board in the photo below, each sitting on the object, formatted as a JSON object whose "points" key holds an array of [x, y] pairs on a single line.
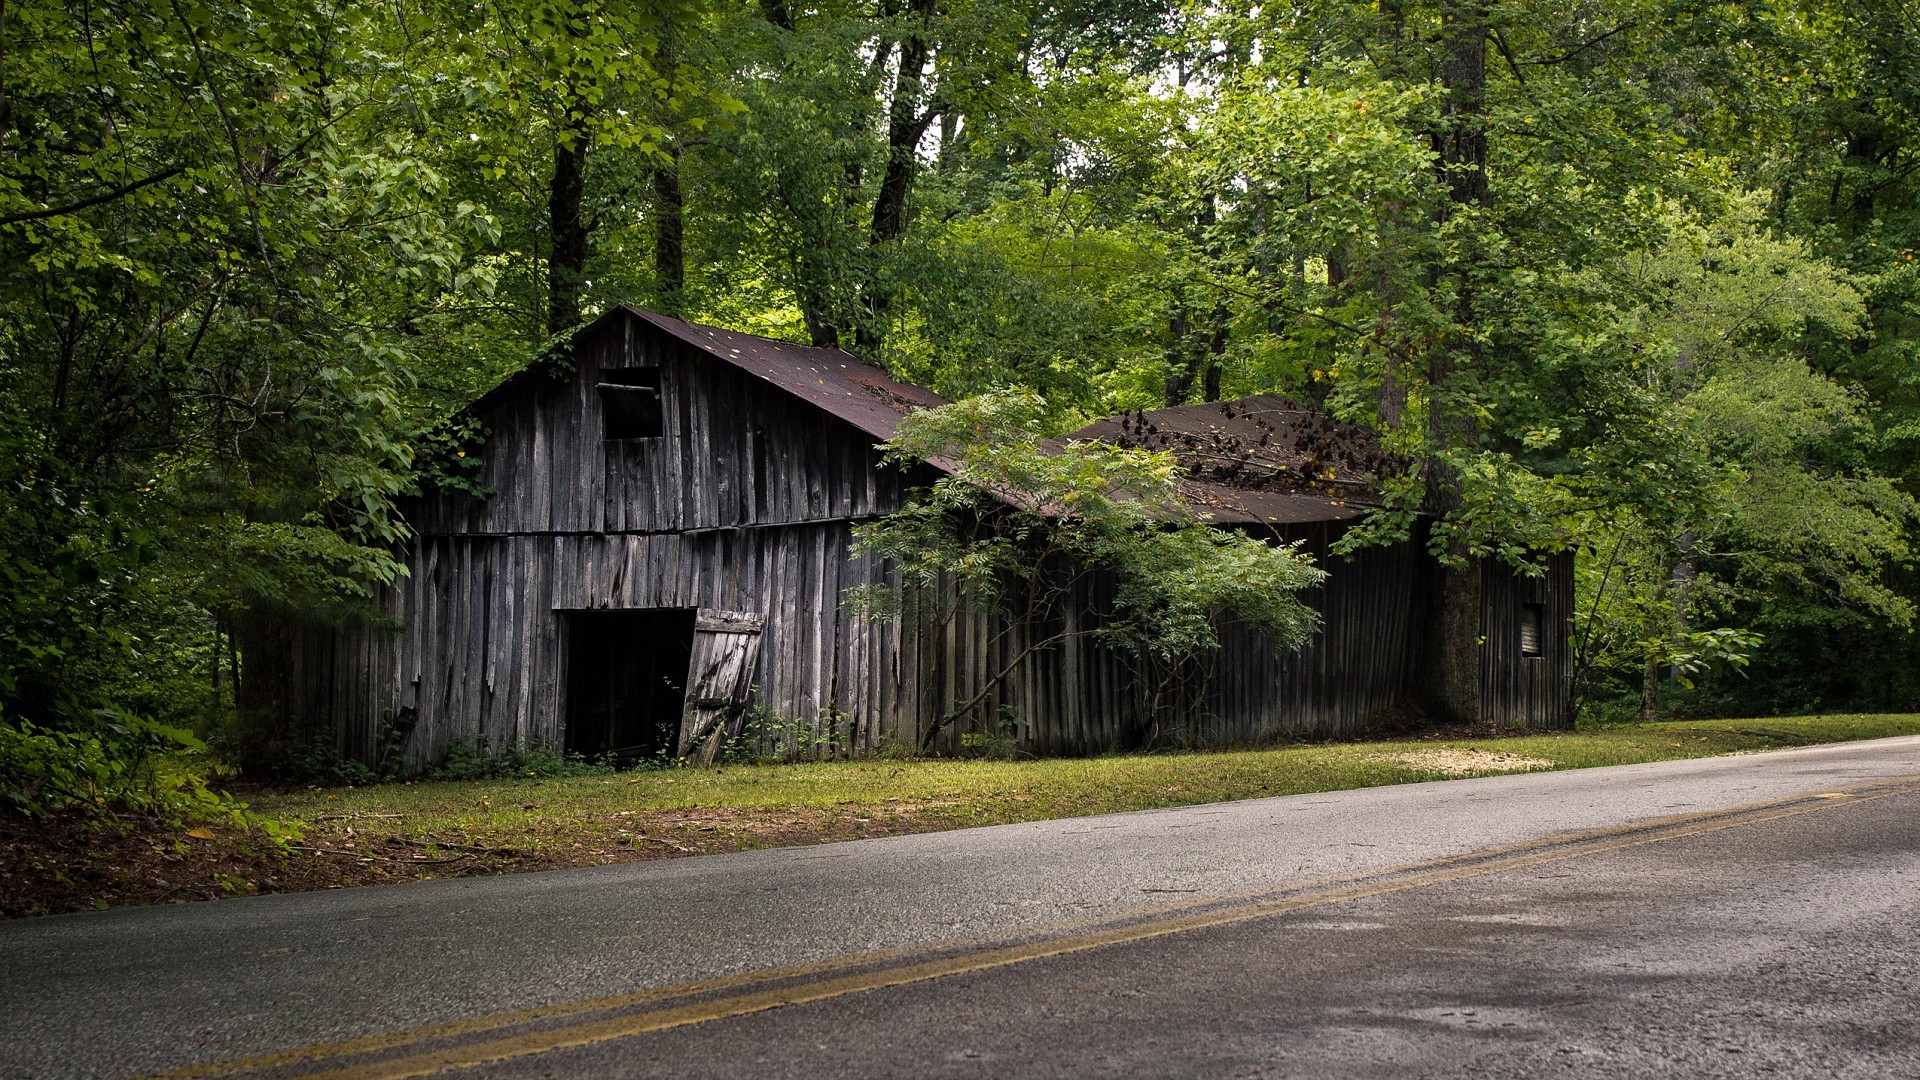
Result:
{"points": [[726, 644]]}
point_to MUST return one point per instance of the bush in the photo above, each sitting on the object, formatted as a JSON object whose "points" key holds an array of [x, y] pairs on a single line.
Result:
{"points": [[766, 736], [478, 761], [119, 765], [317, 763]]}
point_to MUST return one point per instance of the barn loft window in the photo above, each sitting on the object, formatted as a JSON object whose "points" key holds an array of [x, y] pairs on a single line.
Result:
{"points": [[630, 403], [1533, 620]]}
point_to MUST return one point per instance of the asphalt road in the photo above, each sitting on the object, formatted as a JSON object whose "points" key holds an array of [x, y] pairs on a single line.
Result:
{"points": [[1746, 916]]}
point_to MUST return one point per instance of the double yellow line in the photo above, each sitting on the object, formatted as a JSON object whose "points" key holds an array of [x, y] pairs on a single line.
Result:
{"points": [[424, 1051]]}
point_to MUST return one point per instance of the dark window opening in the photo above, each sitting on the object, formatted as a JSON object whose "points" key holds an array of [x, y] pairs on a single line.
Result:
{"points": [[630, 403], [626, 682], [1533, 621]]}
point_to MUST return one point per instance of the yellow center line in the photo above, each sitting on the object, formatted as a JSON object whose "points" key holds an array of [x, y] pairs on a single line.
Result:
{"points": [[743, 995]]}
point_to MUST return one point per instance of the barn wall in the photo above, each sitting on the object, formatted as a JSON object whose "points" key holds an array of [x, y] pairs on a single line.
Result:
{"points": [[483, 650], [735, 451], [746, 502], [1526, 691], [1079, 698], [482, 655], [1362, 663]]}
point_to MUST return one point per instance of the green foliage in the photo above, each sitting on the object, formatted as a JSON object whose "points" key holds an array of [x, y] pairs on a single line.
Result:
{"points": [[448, 459], [479, 761], [312, 763], [1014, 510], [121, 765], [1020, 526], [215, 226], [766, 736], [1783, 514]]}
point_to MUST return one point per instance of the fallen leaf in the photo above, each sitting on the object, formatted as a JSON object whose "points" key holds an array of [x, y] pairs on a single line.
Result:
{"points": [[200, 834]]}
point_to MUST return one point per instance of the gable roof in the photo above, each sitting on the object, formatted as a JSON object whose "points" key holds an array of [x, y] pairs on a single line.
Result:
{"points": [[1265, 458], [835, 380], [1256, 460]]}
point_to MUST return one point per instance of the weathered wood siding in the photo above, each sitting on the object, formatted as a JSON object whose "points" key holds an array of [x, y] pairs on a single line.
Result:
{"points": [[747, 502], [1518, 690], [735, 452], [483, 652], [1079, 698], [482, 655], [1361, 664]]}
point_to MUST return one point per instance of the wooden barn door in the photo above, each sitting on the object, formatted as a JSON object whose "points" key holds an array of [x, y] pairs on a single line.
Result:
{"points": [[726, 644]]}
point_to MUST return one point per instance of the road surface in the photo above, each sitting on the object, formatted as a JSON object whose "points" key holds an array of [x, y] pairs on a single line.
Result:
{"points": [[1746, 916]]}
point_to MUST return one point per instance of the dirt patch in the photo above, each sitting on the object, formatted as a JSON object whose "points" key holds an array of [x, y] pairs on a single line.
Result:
{"points": [[1465, 761], [72, 864]]}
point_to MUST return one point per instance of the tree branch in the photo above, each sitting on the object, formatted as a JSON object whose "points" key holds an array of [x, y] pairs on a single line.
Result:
{"points": [[104, 197], [1583, 46]]}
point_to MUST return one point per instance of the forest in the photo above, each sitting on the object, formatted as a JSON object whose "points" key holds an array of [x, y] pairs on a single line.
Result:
{"points": [[1631, 278]]}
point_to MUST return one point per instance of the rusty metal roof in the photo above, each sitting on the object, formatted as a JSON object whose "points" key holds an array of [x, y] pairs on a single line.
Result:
{"points": [[833, 379], [1259, 459]]}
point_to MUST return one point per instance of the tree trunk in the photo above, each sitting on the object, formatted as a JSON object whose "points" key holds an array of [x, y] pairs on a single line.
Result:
{"points": [[1454, 647], [1216, 348], [669, 236], [816, 305], [1390, 55], [566, 223], [906, 126], [949, 157], [1462, 139], [1179, 363], [267, 721], [1191, 361], [1461, 145]]}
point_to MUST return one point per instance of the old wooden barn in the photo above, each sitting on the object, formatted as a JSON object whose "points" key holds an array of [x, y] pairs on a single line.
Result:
{"points": [[669, 541]]}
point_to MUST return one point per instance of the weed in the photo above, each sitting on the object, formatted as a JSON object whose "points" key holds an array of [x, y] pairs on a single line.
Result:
{"points": [[478, 761], [767, 736]]}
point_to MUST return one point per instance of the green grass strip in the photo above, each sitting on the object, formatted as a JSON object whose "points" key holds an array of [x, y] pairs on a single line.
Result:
{"points": [[943, 793]]}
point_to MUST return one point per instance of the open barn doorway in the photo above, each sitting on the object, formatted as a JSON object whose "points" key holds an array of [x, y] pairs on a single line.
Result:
{"points": [[626, 681]]}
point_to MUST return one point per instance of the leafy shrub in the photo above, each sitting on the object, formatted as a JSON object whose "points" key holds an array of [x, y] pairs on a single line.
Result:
{"points": [[478, 761], [118, 765], [319, 763], [765, 735]]}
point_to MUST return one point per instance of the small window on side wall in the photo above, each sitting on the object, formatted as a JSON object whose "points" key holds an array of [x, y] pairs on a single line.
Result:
{"points": [[1533, 622], [630, 403]]}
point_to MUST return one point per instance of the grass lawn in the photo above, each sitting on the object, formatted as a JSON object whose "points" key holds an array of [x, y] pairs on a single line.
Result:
{"points": [[397, 832], [669, 811]]}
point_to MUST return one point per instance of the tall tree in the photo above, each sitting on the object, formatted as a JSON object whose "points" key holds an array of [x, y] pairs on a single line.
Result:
{"points": [[218, 232]]}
